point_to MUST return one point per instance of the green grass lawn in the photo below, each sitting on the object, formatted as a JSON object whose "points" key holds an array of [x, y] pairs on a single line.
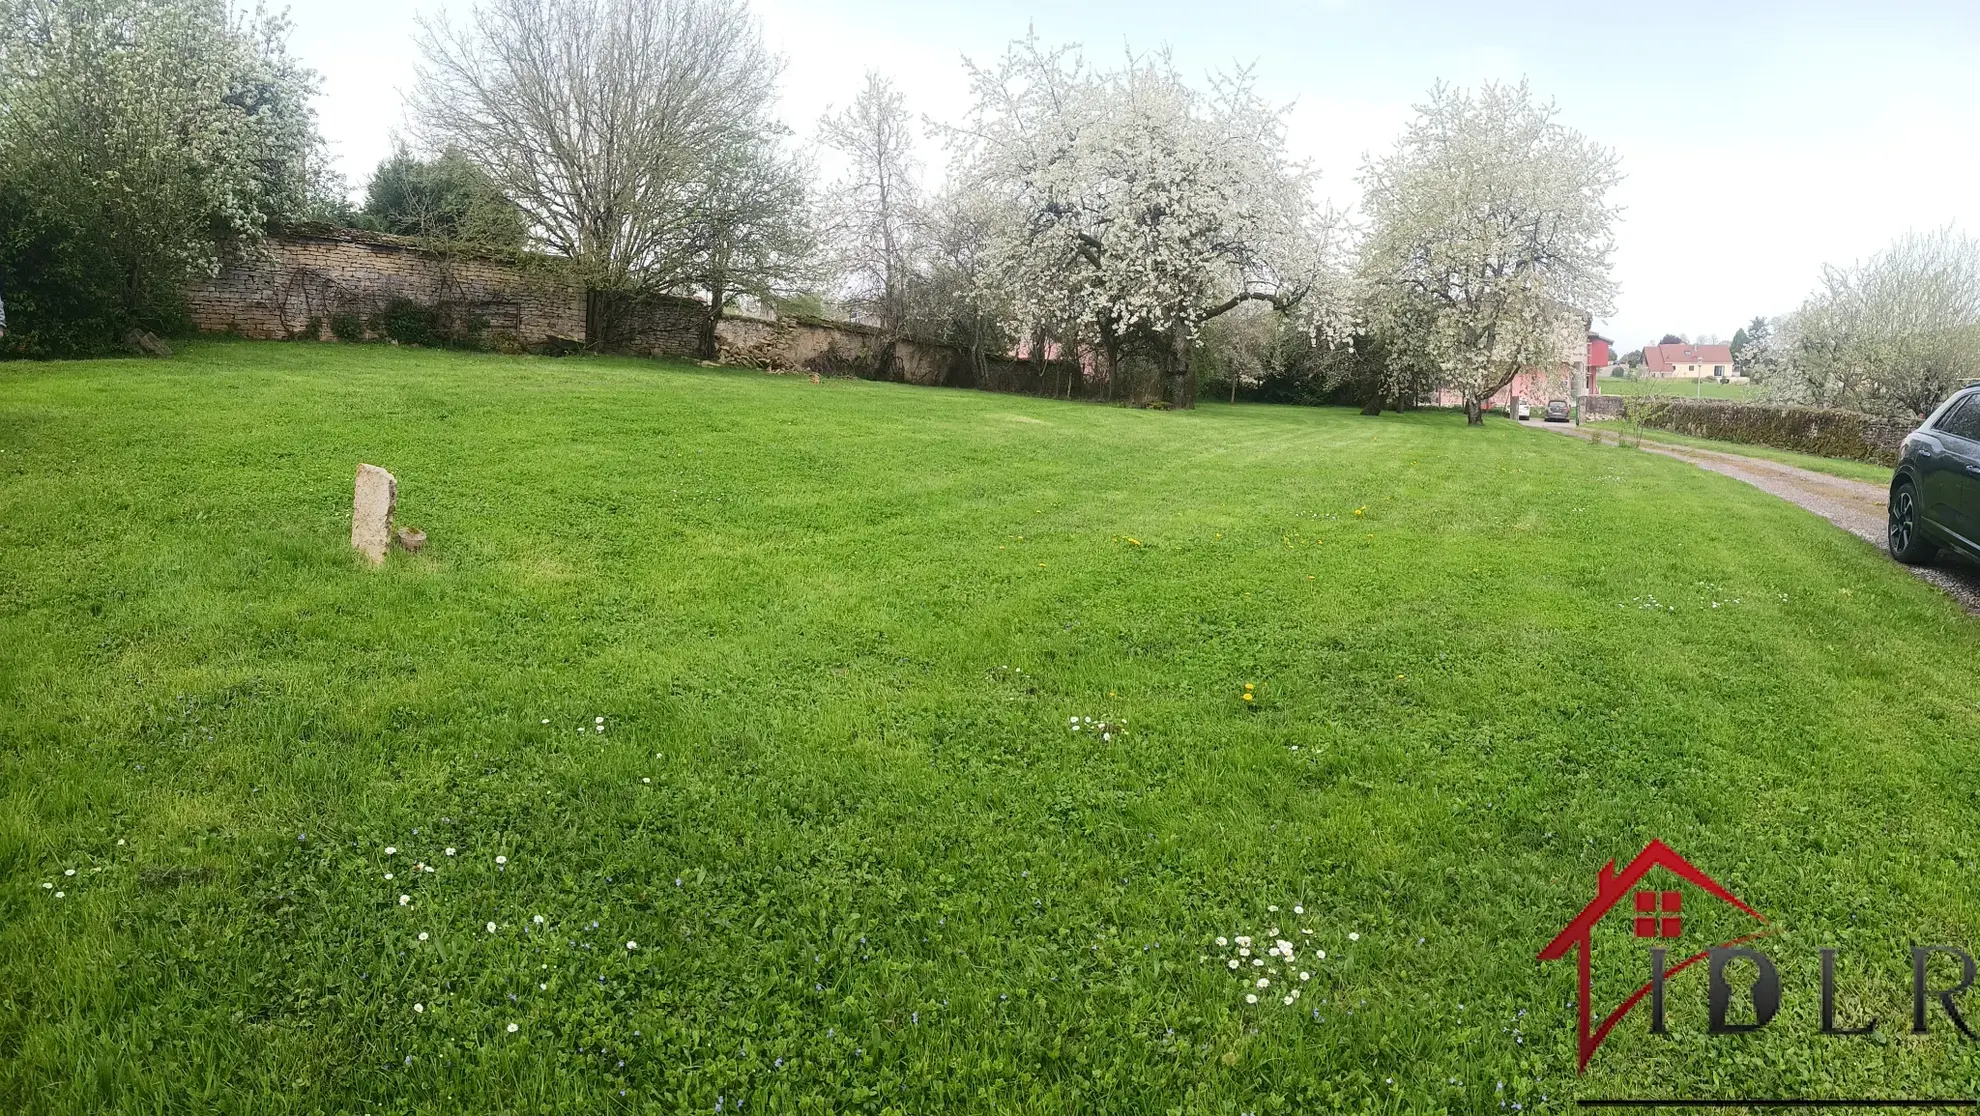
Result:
{"points": [[838, 635], [1683, 389]]}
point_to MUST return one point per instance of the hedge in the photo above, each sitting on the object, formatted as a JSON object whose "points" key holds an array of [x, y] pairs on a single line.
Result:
{"points": [[1824, 433]]}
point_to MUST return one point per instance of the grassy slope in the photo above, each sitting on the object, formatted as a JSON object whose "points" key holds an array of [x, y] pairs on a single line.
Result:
{"points": [[1864, 471], [842, 627], [1680, 389]]}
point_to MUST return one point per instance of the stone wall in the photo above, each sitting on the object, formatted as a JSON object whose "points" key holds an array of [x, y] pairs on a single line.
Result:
{"points": [[296, 285], [310, 283], [829, 348]]}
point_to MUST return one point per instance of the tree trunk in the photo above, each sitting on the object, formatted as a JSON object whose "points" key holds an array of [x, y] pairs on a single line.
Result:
{"points": [[1181, 377], [708, 346], [1474, 412]]}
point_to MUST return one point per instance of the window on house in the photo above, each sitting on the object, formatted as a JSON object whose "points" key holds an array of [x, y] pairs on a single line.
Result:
{"points": [[1718, 370], [1649, 904]]}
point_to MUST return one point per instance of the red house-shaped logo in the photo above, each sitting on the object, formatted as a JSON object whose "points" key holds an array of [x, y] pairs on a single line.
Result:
{"points": [[1652, 913]]}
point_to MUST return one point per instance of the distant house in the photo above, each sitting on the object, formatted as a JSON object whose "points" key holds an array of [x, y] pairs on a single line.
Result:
{"points": [[1690, 362]]}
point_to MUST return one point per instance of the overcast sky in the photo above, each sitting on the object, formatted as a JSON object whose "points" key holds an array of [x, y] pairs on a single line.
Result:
{"points": [[1760, 139]]}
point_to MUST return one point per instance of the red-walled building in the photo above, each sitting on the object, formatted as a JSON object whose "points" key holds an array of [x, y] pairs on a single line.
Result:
{"points": [[1598, 361]]}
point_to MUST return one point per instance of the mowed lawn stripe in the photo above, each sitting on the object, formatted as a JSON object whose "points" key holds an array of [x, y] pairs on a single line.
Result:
{"points": [[843, 628]]}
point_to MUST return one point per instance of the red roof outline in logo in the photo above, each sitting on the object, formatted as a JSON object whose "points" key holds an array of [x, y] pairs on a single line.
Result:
{"points": [[1610, 887]]}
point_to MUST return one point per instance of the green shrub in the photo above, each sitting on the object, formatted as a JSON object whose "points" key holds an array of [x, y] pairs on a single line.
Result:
{"points": [[410, 323], [1813, 430], [347, 326]]}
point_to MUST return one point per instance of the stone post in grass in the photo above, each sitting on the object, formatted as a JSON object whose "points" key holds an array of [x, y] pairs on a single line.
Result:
{"points": [[376, 495]]}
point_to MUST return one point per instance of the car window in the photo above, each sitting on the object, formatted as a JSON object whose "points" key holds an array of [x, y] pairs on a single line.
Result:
{"points": [[1963, 420]]}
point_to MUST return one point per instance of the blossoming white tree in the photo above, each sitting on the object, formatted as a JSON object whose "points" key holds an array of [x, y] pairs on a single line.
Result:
{"points": [[140, 142], [1137, 208], [1894, 334], [1489, 240]]}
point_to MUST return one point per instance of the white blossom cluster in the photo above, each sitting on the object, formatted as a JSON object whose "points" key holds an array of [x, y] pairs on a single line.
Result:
{"points": [[1894, 334], [1489, 239], [1269, 966], [184, 124], [1130, 209]]}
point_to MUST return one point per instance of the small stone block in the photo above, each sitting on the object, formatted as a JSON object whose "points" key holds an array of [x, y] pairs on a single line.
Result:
{"points": [[372, 503], [409, 540]]}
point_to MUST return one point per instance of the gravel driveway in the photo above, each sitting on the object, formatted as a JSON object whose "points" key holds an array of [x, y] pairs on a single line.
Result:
{"points": [[1853, 505]]}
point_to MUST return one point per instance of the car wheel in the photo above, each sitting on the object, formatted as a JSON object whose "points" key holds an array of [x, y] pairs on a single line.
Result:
{"points": [[1908, 543]]}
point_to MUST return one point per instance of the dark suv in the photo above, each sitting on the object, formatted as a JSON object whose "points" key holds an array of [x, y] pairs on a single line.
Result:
{"points": [[1935, 496]]}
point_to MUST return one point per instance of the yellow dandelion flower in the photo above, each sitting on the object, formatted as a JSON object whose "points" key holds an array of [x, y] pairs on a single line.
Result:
{"points": [[1247, 697]]}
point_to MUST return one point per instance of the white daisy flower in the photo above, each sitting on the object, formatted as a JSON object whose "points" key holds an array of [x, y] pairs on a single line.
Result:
{"points": [[1264, 983], [1251, 997], [1234, 963], [630, 946], [390, 849], [404, 900], [513, 1028], [501, 860], [388, 875], [538, 920], [1354, 936], [1299, 910], [420, 1008], [61, 894], [422, 935], [491, 928], [598, 720], [69, 872], [450, 851], [1305, 976], [1222, 942]]}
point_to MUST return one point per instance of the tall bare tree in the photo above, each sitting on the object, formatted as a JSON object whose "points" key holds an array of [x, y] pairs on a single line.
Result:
{"points": [[600, 118], [870, 213]]}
